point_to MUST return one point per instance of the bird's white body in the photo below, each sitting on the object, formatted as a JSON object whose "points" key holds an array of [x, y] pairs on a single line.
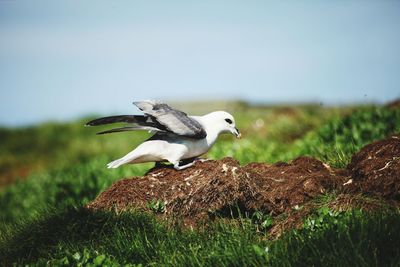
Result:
{"points": [[175, 149]]}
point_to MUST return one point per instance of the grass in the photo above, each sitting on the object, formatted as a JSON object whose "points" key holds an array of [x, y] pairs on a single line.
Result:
{"points": [[76, 236], [134, 238], [341, 239], [43, 222], [340, 138]]}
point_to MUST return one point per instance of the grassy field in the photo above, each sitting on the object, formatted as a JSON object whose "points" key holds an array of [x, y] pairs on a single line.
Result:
{"points": [[48, 172]]}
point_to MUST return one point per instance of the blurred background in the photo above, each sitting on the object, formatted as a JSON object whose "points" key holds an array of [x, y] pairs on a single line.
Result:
{"points": [[60, 60]]}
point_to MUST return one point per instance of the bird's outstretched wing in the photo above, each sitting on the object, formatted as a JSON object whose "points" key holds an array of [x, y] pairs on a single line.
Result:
{"points": [[175, 121], [158, 117]]}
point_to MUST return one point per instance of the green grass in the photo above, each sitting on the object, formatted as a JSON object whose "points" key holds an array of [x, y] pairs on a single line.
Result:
{"points": [[42, 221], [66, 187], [336, 141], [341, 239], [74, 236], [134, 238]]}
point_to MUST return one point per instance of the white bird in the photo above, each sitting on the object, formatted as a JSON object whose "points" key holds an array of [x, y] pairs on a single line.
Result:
{"points": [[177, 136]]}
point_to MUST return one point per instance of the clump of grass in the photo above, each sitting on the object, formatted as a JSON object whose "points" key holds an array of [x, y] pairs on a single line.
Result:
{"points": [[262, 220], [137, 238], [273, 139], [74, 236], [340, 239], [69, 186], [156, 206], [336, 141]]}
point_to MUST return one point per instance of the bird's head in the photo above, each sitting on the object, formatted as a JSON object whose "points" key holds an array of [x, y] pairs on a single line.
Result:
{"points": [[223, 122]]}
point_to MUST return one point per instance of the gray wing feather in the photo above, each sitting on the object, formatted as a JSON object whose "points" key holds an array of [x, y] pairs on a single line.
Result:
{"points": [[173, 120], [139, 119], [159, 117], [129, 128]]}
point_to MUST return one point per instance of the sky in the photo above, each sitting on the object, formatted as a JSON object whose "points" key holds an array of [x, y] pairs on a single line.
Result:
{"points": [[63, 59]]}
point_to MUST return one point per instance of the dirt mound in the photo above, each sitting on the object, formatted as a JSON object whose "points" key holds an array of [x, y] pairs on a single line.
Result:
{"points": [[208, 186], [215, 187], [219, 187], [375, 169], [281, 186]]}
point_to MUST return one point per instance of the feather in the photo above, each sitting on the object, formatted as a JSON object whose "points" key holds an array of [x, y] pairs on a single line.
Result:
{"points": [[140, 119], [129, 128]]}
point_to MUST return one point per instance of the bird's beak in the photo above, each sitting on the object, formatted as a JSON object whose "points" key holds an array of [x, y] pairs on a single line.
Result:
{"points": [[237, 133]]}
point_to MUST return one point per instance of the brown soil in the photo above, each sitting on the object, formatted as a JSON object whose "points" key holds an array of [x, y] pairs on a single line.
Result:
{"points": [[218, 187], [375, 169]]}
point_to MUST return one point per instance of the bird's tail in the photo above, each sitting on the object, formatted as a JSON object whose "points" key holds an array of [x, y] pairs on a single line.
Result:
{"points": [[128, 158], [116, 163]]}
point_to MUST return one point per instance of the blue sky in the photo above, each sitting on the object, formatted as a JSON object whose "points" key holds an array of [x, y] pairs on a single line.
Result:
{"points": [[64, 59]]}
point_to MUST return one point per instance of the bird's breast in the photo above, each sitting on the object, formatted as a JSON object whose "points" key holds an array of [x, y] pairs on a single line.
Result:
{"points": [[196, 148]]}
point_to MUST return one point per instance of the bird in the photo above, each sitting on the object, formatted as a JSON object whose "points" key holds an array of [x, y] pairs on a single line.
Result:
{"points": [[177, 137]]}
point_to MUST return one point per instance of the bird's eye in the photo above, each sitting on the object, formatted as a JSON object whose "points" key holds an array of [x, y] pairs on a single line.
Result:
{"points": [[228, 121]]}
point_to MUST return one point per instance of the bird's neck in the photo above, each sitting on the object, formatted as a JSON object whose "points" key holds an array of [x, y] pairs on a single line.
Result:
{"points": [[212, 136], [211, 128]]}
